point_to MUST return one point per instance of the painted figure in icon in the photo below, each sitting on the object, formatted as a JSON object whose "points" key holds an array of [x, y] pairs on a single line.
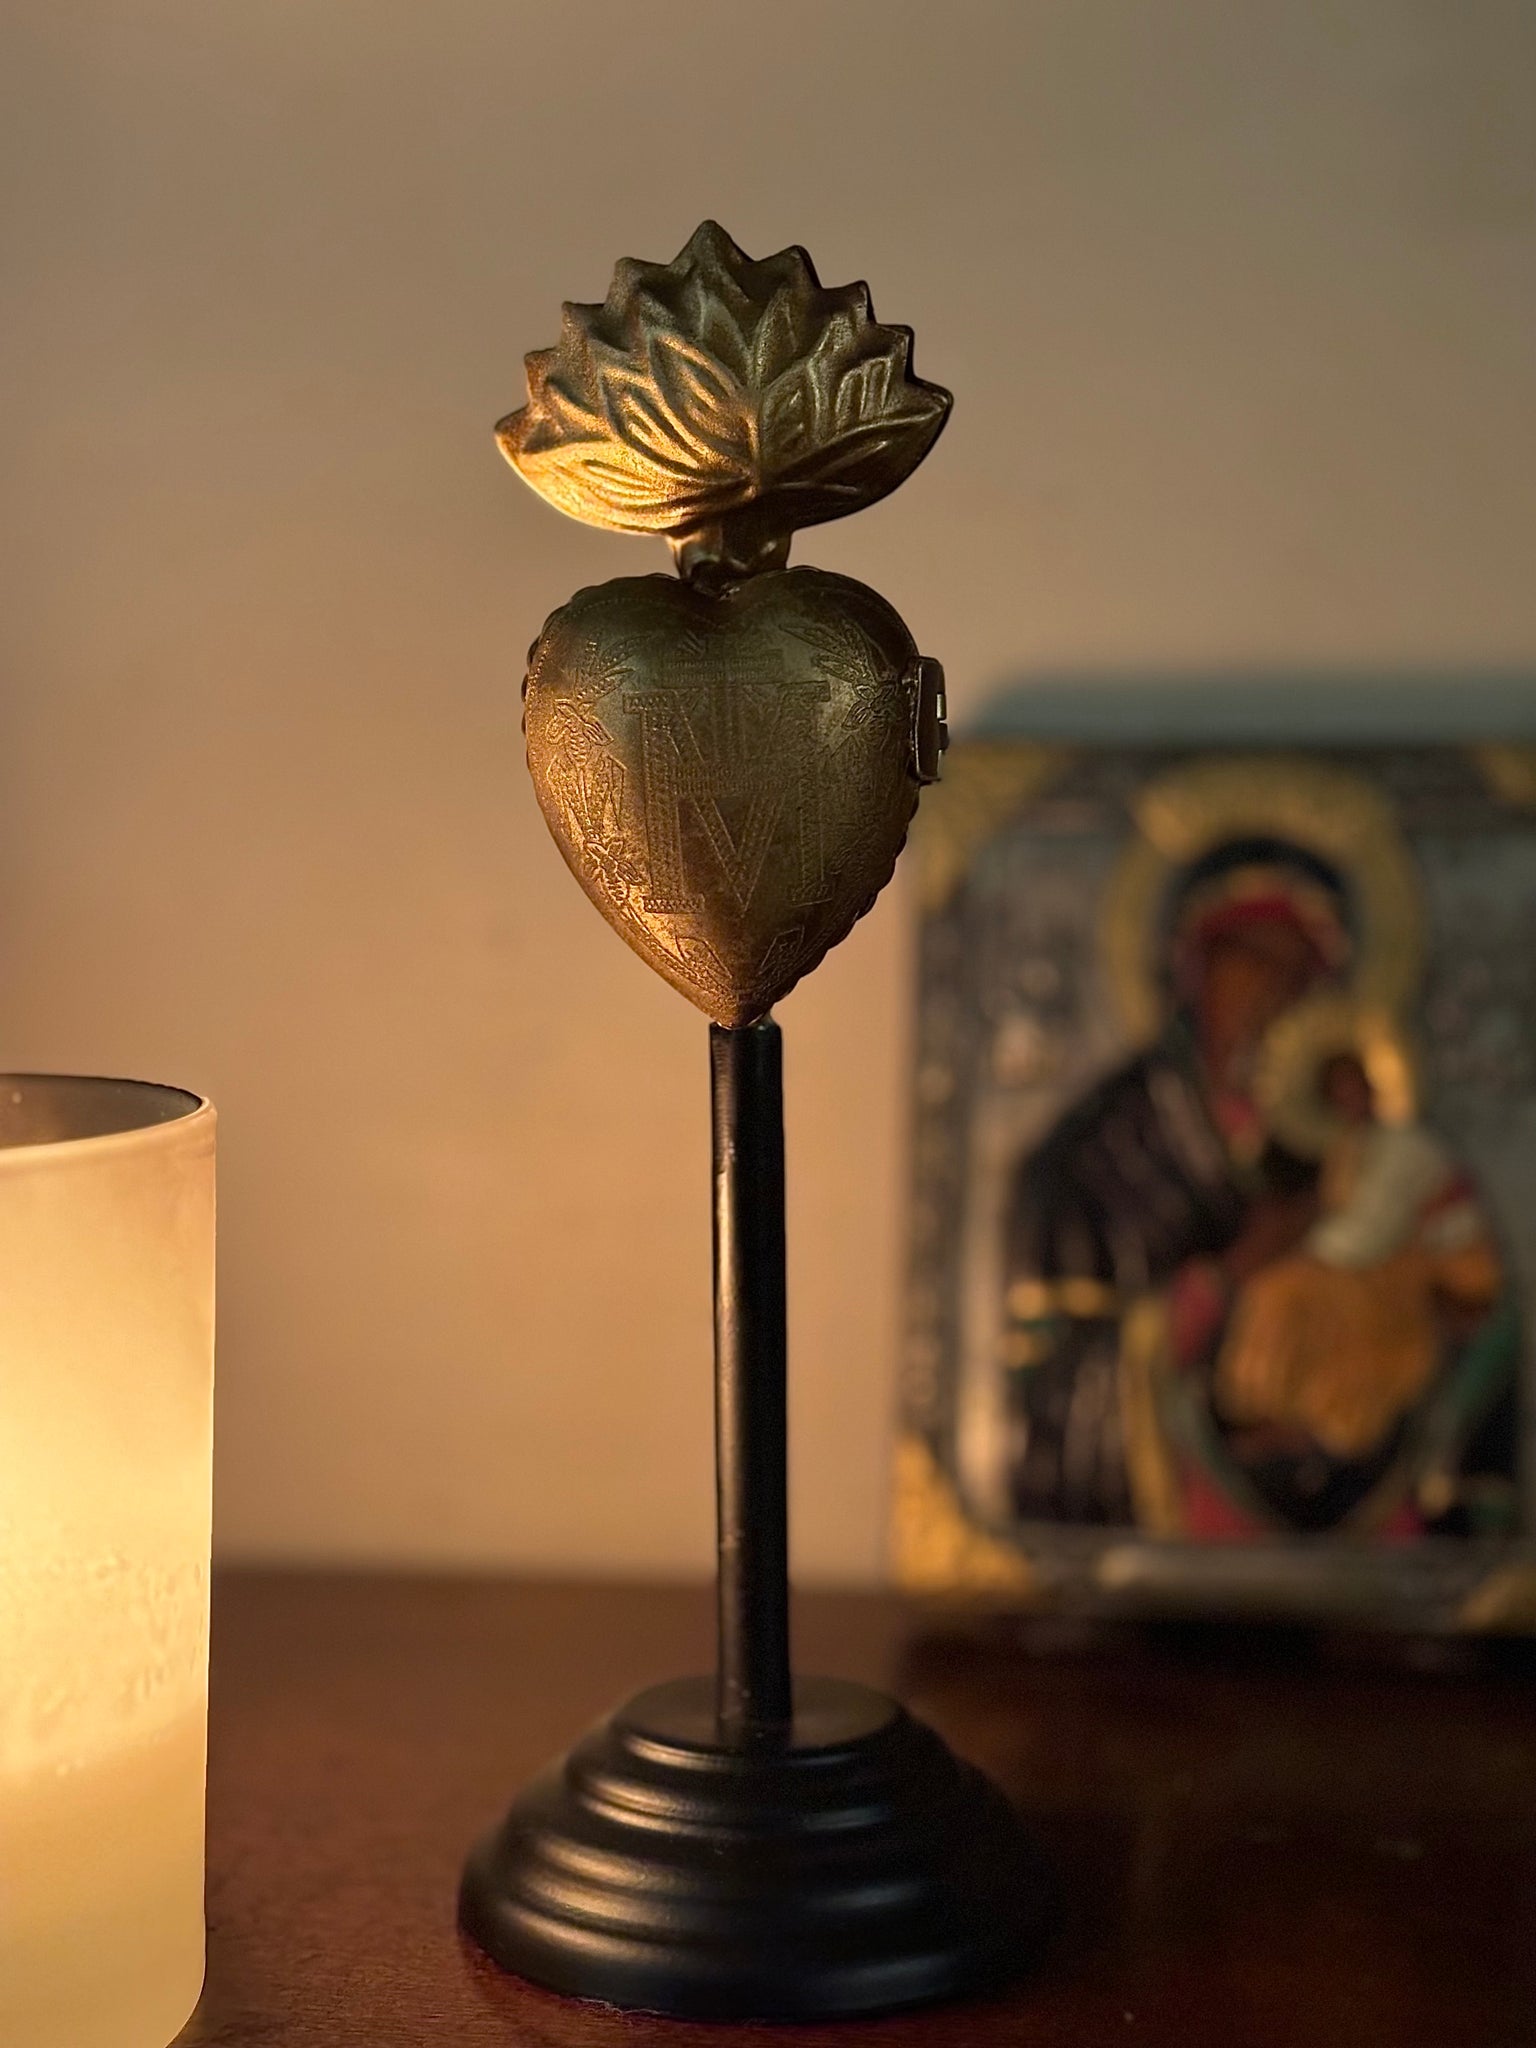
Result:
{"points": [[1333, 1343], [1247, 1289]]}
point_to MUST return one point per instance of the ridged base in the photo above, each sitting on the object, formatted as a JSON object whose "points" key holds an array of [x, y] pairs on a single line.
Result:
{"points": [[857, 1868]]}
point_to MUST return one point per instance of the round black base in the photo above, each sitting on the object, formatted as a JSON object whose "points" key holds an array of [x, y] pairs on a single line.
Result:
{"points": [[855, 1867]]}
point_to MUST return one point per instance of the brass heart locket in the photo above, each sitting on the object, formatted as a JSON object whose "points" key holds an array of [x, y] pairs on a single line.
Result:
{"points": [[731, 775], [728, 761]]}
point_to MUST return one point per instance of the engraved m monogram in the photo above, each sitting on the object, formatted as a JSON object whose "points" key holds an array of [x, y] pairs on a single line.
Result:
{"points": [[762, 763]]}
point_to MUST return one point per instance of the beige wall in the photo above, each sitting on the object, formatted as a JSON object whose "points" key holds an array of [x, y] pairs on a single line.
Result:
{"points": [[1238, 304]]}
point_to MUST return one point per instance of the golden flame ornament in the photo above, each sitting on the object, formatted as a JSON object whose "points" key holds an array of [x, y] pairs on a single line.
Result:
{"points": [[729, 762]]}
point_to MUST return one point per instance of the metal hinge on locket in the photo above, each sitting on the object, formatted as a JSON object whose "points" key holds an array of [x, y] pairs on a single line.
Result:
{"points": [[930, 717]]}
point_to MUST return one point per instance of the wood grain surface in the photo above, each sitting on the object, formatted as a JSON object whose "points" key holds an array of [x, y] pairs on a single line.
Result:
{"points": [[1263, 1841]]}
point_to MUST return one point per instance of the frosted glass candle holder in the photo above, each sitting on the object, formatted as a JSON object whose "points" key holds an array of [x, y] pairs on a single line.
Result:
{"points": [[106, 1392]]}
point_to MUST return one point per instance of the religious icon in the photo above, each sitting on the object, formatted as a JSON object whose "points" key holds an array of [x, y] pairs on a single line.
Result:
{"points": [[1222, 1228]]}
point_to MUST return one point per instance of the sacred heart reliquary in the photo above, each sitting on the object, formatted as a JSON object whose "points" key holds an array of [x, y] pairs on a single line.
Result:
{"points": [[729, 760]]}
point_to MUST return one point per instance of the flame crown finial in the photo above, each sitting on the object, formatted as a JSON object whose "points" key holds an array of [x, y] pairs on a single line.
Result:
{"points": [[722, 402]]}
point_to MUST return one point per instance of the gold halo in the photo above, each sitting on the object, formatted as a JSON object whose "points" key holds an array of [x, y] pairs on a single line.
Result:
{"points": [[1291, 1058], [1324, 810]]}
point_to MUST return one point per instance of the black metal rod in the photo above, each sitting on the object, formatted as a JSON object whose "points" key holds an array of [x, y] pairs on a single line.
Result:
{"points": [[747, 1100]]}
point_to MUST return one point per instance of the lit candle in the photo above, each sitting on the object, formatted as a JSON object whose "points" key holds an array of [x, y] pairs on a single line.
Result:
{"points": [[106, 1380]]}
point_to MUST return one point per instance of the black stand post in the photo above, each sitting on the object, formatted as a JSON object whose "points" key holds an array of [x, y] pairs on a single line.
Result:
{"points": [[747, 1126], [748, 1847]]}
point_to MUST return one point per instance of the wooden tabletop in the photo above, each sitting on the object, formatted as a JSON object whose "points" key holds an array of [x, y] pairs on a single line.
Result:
{"points": [[1263, 1841]]}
